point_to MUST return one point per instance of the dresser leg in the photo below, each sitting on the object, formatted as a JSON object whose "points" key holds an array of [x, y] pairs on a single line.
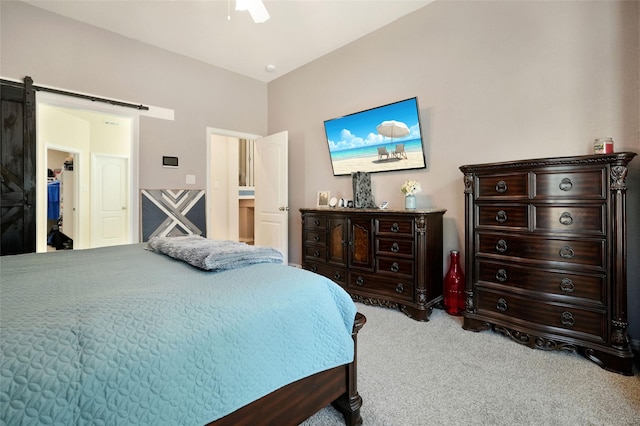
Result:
{"points": [[474, 324], [621, 363]]}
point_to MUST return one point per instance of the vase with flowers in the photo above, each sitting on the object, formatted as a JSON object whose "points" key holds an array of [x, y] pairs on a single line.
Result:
{"points": [[410, 188]]}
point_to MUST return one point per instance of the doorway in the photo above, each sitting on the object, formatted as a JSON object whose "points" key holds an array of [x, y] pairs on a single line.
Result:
{"points": [[85, 128], [62, 198], [269, 213]]}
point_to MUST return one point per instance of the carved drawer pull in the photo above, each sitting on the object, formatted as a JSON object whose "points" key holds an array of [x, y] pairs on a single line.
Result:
{"points": [[360, 281], [400, 288], [501, 275], [337, 276], [501, 246], [316, 222], [567, 285], [395, 247], [316, 238], [566, 219], [314, 268], [395, 267], [566, 252], [567, 319], [501, 217], [395, 227], [316, 253], [502, 305], [501, 187], [566, 184]]}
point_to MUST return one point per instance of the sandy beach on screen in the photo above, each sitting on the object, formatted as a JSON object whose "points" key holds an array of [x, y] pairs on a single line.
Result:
{"points": [[373, 164]]}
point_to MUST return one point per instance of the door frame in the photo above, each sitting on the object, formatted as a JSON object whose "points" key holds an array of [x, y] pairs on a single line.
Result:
{"points": [[69, 102]]}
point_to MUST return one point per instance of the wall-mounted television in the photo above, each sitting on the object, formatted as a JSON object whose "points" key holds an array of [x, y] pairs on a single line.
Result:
{"points": [[380, 139]]}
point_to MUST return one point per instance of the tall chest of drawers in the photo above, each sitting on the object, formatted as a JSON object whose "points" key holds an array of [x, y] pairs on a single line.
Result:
{"points": [[390, 258], [546, 254]]}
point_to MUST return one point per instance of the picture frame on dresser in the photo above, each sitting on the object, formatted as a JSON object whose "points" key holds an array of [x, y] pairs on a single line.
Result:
{"points": [[322, 199], [546, 260]]}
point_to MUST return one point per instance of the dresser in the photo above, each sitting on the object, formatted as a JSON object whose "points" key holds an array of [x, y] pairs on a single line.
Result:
{"points": [[390, 258], [546, 254]]}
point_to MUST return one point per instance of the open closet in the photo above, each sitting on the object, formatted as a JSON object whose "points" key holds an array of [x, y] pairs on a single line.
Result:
{"points": [[61, 200]]}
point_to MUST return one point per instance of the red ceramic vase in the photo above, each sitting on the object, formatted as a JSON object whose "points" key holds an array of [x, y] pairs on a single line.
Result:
{"points": [[454, 286]]}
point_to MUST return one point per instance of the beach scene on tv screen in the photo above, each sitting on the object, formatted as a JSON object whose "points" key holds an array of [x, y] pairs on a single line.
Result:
{"points": [[380, 139]]}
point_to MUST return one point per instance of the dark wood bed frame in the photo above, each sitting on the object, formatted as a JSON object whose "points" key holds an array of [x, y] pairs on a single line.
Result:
{"points": [[297, 401]]}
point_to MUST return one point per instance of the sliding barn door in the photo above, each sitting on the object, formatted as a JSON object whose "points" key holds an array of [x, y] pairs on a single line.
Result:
{"points": [[18, 168]]}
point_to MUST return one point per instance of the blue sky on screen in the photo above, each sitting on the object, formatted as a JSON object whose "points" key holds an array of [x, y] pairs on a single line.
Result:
{"points": [[359, 129]]}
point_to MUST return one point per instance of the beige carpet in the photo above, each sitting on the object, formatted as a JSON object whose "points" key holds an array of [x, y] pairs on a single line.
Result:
{"points": [[436, 373]]}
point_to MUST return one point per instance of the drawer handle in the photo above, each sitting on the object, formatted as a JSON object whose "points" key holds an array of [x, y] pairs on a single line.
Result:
{"points": [[316, 222], [502, 305], [316, 253], [399, 288], [395, 227], [566, 219], [337, 276], [316, 238], [501, 246], [501, 275], [501, 217], [501, 187], [566, 252], [395, 267], [314, 268], [567, 319], [360, 281], [566, 184], [567, 285], [395, 247]]}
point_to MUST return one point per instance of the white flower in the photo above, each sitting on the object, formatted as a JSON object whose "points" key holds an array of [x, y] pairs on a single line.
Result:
{"points": [[410, 187]]}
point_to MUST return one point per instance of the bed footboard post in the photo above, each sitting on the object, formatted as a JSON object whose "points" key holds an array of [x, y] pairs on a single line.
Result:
{"points": [[349, 403]]}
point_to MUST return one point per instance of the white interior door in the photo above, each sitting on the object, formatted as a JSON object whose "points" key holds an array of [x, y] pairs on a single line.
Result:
{"points": [[271, 189], [109, 200]]}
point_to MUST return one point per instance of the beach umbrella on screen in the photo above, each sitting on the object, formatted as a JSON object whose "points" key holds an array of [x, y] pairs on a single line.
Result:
{"points": [[392, 129]]}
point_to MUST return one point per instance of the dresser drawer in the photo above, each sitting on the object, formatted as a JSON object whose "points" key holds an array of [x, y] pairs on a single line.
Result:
{"points": [[318, 253], [396, 266], [584, 184], [395, 226], [339, 275], [568, 218], [509, 216], [383, 287], [315, 221], [394, 247], [566, 319], [581, 288], [315, 236], [585, 253], [515, 185]]}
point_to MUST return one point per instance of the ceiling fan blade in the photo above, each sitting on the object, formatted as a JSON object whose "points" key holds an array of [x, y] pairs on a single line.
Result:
{"points": [[256, 9]]}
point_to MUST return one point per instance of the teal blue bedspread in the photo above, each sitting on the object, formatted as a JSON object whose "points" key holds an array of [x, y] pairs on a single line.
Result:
{"points": [[122, 335]]}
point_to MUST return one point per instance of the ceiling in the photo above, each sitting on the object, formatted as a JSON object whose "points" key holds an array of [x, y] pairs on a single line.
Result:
{"points": [[298, 32]]}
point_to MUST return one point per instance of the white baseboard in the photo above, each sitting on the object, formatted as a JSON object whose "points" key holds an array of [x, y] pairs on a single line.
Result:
{"points": [[295, 265]]}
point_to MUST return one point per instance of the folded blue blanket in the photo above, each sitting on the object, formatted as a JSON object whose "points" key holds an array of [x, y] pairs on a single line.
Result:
{"points": [[213, 255]]}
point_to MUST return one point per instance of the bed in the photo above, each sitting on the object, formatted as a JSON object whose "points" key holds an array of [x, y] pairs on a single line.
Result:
{"points": [[125, 335]]}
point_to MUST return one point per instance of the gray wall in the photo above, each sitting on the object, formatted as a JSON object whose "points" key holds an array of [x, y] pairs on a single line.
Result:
{"points": [[496, 81], [62, 53]]}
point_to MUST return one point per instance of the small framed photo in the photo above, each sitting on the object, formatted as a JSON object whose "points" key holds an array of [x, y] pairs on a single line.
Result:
{"points": [[323, 198]]}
